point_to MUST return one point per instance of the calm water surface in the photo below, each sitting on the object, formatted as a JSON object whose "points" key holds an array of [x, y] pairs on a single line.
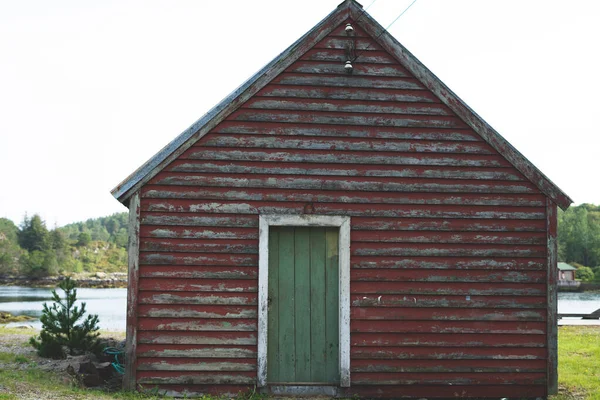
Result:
{"points": [[110, 304]]}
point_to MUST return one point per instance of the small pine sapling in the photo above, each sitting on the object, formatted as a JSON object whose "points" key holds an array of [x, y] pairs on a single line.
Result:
{"points": [[60, 329]]}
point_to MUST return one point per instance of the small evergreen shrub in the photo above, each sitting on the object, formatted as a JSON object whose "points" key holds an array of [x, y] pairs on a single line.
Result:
{"points": [[60, 331]]}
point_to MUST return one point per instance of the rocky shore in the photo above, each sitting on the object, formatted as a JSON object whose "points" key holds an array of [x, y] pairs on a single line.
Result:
{"points": [[91, 280]]}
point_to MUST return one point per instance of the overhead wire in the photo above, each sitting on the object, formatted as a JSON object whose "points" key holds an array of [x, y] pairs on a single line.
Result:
{"points": [[386, 29]]}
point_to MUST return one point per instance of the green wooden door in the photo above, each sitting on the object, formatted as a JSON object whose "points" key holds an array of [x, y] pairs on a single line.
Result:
{"points": [[303, 332]]}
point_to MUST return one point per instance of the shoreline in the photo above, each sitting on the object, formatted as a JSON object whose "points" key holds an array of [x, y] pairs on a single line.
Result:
{"points": [[99, 280]]}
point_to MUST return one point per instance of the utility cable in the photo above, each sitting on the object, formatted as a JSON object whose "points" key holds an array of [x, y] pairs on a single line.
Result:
{"points": [[386, 29]]}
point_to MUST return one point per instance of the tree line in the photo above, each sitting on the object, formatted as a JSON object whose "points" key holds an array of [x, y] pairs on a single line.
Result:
{"points": [[33, 250], [579, 240], [100, 244]]}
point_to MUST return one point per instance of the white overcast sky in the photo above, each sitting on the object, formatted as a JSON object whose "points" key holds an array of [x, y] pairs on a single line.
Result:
{"points": [[90, 90]]}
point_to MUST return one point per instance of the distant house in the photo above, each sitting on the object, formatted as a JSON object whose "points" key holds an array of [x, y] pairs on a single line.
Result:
{"points": [[566, 272]]}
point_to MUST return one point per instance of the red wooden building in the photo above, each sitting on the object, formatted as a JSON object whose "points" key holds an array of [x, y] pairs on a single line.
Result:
{"points": [[342, 228]]}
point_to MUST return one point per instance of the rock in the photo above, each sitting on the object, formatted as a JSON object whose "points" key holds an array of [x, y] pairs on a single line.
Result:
{"points": [[88, 374], [101, 275], [104, 370]]}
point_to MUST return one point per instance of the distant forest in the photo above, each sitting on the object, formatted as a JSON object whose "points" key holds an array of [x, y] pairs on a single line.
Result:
{"points": [[100, 244], [33, 250]]}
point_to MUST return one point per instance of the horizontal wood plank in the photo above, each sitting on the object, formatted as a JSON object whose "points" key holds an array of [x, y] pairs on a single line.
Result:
{"points": [[223, 298], [194, 378], [451, 353], [441, 366], [337, 68], [448, 275], [443, 249], [357, 43], [292, 195], [348, 81], [449, 378], [518, 302], [445, 288], [350, 144], [199, 219], [346, 157], [349, 106], [315, 130], [184, 232], [376, 184], [349, 171], [445, 224], [199, 272], [454, 327], [196, 324], [198, 364], [151, 258], [446, 314], [445, 340], [198, 285], [196, 311], [197, 338], [339, 55], [200, 246], [341, 118], [447, 392]]}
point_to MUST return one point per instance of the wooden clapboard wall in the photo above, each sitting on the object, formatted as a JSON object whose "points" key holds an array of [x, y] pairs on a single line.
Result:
{"points": [[448, 241]]}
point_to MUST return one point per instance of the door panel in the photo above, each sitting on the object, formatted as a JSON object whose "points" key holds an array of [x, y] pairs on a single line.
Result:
{"points": [[303, 319]]}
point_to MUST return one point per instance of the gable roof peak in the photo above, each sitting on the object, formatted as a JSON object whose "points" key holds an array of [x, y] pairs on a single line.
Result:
{"points": [[347, 9]]}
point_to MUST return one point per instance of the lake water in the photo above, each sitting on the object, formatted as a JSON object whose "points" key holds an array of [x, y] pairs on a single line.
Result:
{"points": [[110, 304]]}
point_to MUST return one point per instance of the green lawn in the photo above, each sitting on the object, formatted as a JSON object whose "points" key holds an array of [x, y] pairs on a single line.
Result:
{"points": [[578, 362]]}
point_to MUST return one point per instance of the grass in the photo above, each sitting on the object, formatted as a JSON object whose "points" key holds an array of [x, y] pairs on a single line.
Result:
{"points": [[578, 372], [578, 363]]}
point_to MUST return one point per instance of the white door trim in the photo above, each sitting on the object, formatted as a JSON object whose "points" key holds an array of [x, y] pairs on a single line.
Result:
{"points": [[265, 221]]}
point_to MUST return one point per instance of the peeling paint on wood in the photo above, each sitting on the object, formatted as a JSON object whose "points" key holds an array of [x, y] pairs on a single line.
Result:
{"points": [[196, 311], [315, 130], [342, 183], [446, 340], [351, 106], [129, 378], [440, 366], [187, 338], [350, 144], [200, 272], [198, 285], [197, 324], [449, 378], [520, 302], [476, 327], [443, 288], [159, 364], [191, 351], [450, 275], [345, 157], [446, 314], [290, 195], [177, 378], [345, 170], [162, 297], [454, 353]]}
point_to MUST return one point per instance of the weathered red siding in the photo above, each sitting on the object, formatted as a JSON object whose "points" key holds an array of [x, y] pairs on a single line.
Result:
{"points": [[448, 242]]}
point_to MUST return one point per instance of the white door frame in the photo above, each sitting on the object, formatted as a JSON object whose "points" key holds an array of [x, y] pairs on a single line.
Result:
{"points": [[265, 221]]}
